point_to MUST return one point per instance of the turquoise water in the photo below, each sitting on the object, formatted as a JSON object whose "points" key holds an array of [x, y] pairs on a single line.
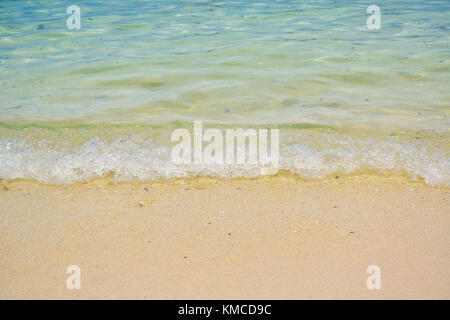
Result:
{"points": [[79, 104]]}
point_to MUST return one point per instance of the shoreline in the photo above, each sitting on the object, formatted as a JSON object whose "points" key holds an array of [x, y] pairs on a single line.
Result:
{"points": [[281, 174], [277, 237]]}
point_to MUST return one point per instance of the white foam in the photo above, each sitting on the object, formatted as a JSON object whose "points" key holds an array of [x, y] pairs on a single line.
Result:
{"points": [[139, 158]]}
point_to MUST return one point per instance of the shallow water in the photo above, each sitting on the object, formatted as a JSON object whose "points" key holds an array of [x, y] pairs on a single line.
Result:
{"points": [[77, 104]]}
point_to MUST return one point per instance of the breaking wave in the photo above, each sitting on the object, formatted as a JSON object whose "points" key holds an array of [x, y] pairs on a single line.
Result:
{"points": [[138, 158]]}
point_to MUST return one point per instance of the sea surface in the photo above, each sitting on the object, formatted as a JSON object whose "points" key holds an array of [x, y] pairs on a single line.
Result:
{"points": [[103, 100]]}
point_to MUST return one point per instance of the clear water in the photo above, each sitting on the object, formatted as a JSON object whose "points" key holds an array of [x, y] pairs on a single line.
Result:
{"points": [[80, 104]]}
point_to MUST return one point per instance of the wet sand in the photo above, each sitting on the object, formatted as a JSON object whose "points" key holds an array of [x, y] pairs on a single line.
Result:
{"points": [[267, 238]]}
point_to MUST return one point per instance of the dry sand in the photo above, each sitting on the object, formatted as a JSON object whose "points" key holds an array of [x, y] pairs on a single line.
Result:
{"points": [[267, 238]]}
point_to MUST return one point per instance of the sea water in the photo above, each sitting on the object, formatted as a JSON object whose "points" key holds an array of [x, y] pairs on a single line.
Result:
{"points": [[102, 100]]}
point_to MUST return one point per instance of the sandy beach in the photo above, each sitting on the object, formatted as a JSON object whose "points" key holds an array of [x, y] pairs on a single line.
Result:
{"points": [[267, 238]]}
